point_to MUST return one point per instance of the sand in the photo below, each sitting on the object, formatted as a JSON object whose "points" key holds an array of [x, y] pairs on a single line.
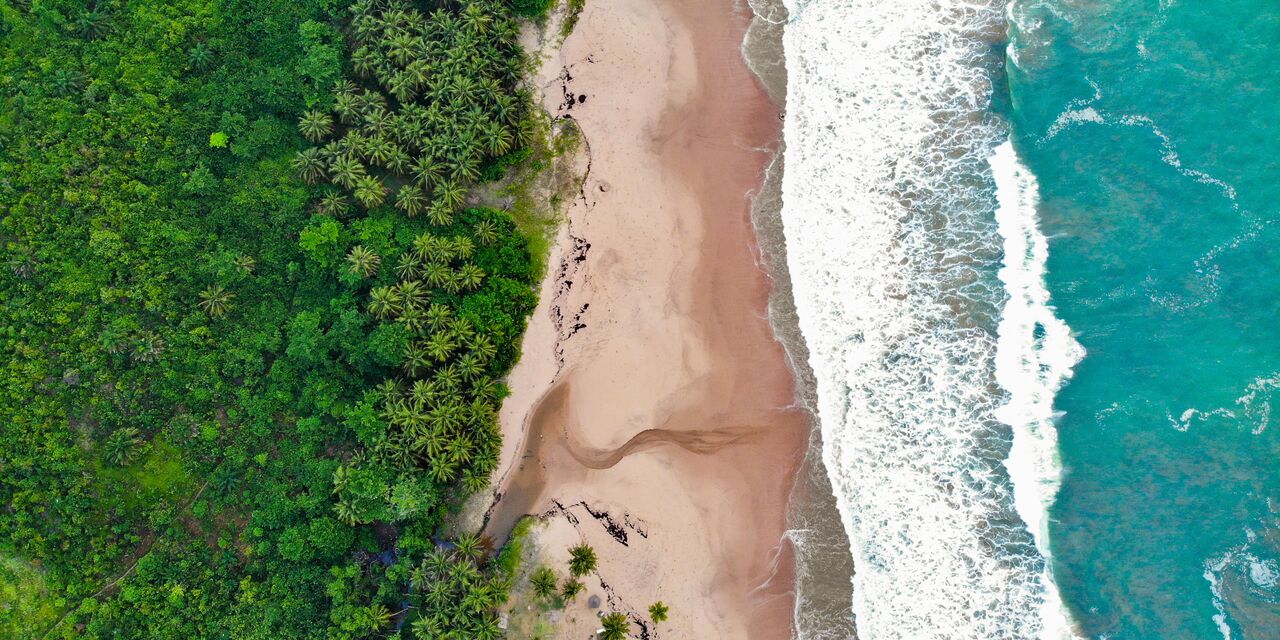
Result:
{"points": [[652, 413]]}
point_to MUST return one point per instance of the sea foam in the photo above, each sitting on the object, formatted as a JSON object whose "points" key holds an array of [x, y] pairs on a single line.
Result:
{"points": [[894, 251]]}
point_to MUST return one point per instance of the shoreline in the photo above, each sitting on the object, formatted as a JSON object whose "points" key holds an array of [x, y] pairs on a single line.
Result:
{"points": [[650, 361]]}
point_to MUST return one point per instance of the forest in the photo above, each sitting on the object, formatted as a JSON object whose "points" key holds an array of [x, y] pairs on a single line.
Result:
{"points": [[253, 327]]}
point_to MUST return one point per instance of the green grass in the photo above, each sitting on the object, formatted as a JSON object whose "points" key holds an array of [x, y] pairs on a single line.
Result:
{"points": [[24, 602], [573, 9], [157, 477]]}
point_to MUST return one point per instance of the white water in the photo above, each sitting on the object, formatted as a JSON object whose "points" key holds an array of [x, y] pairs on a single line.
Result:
{"points": [[1034, 356], [893, 249]]}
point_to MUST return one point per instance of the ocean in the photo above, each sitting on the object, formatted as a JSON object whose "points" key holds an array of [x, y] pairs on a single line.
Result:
{"points": [[1029, 249]]}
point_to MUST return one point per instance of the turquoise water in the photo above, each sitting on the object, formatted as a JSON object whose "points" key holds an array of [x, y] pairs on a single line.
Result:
{"points": [[1152, 128]]}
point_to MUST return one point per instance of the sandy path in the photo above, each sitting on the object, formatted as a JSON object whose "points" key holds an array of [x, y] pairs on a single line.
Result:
{"points": [[651, 413]]}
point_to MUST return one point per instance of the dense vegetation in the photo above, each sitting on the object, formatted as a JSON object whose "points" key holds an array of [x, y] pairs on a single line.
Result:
{"points": [[246, 376]]}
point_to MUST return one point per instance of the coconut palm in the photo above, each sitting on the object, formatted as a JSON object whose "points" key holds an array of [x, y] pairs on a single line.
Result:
{"points": [[123, 447], [384, 302], [439, 213], [216, 301], [346, 170], [347, 107], [315, 125], [440, 346], [582, 560], [658, 612], [614, 626], [570, 589], [334, 204], [310, 165], [543, 581], [450, 193], [485, 232], [470, 276], [370, 192], [411, 200], [245, 264], [427, 171], [363, 261], [468, 547]]}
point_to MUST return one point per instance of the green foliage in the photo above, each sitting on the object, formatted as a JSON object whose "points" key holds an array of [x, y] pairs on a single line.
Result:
{"points": [[616, 626], [571, 588], [582, 560], [207, 433], [531, 8], [658, 612], [543, 580]]}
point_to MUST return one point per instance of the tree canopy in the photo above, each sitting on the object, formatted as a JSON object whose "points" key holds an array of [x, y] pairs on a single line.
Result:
{"points": [[253, 335]]}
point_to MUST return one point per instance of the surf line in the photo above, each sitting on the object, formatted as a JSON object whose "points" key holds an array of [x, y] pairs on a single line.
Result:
{"points": [[1035, 356]]}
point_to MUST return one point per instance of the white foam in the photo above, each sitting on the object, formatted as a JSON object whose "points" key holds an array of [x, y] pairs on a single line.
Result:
{"points": [[1034, 357], [893, 249]]}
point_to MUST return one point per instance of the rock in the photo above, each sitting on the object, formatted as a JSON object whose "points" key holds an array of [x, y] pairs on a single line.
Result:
{"points": [[593, 602]]}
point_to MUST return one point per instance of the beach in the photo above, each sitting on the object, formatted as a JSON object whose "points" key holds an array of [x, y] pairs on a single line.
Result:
{"points": [[652, 413]]}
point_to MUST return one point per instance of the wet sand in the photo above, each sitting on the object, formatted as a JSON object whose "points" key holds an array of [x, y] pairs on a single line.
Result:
{"points": [[652, 413]]}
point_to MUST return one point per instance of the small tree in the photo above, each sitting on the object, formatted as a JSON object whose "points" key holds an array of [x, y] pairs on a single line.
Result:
{"points": [[615, 626], [216, 301], [571, 589], [582, 560], [544, 582], [658, 611]]}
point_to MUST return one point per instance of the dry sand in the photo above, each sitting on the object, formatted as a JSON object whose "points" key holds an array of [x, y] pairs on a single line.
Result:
{"points": [[652, 412]]}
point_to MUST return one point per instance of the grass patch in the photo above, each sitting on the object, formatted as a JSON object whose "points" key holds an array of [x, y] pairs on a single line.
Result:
{"points": [[573, 9], [24, 600], [158, 477]]}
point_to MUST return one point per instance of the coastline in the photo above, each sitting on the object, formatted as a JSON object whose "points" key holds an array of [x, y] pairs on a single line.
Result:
{"points": [[653, 413]]}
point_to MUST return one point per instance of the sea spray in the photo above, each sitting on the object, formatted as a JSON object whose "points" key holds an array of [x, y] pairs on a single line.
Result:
{"points": [[1034, 356], [894, 251]]}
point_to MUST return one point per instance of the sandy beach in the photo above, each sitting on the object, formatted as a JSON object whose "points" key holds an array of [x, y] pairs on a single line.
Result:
{"points": [[652, 412]]}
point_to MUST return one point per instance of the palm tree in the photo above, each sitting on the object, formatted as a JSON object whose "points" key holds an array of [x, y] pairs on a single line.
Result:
{"points": [[487, 628], [470, 276], [482, 346], [245, 264], [658, 612], [370, 192], [437, 275], [315, 125], [439, 346], [615, 627], [334, 204], [427, 171], [485, 232], [309, 165], [450, 194], [200, 55], [474, 482], [469, 547], [411, 200], [543, 581], [571, 589], [582, 560], [438, 316], [470, 366], [384, 302], [347, 171], [123, 447], [347, 512], [363, 261], [497, 139], [216, 301], [347, 105]]}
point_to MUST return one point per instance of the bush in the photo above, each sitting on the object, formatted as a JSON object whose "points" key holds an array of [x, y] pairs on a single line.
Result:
{"points": [[531, 8]]}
